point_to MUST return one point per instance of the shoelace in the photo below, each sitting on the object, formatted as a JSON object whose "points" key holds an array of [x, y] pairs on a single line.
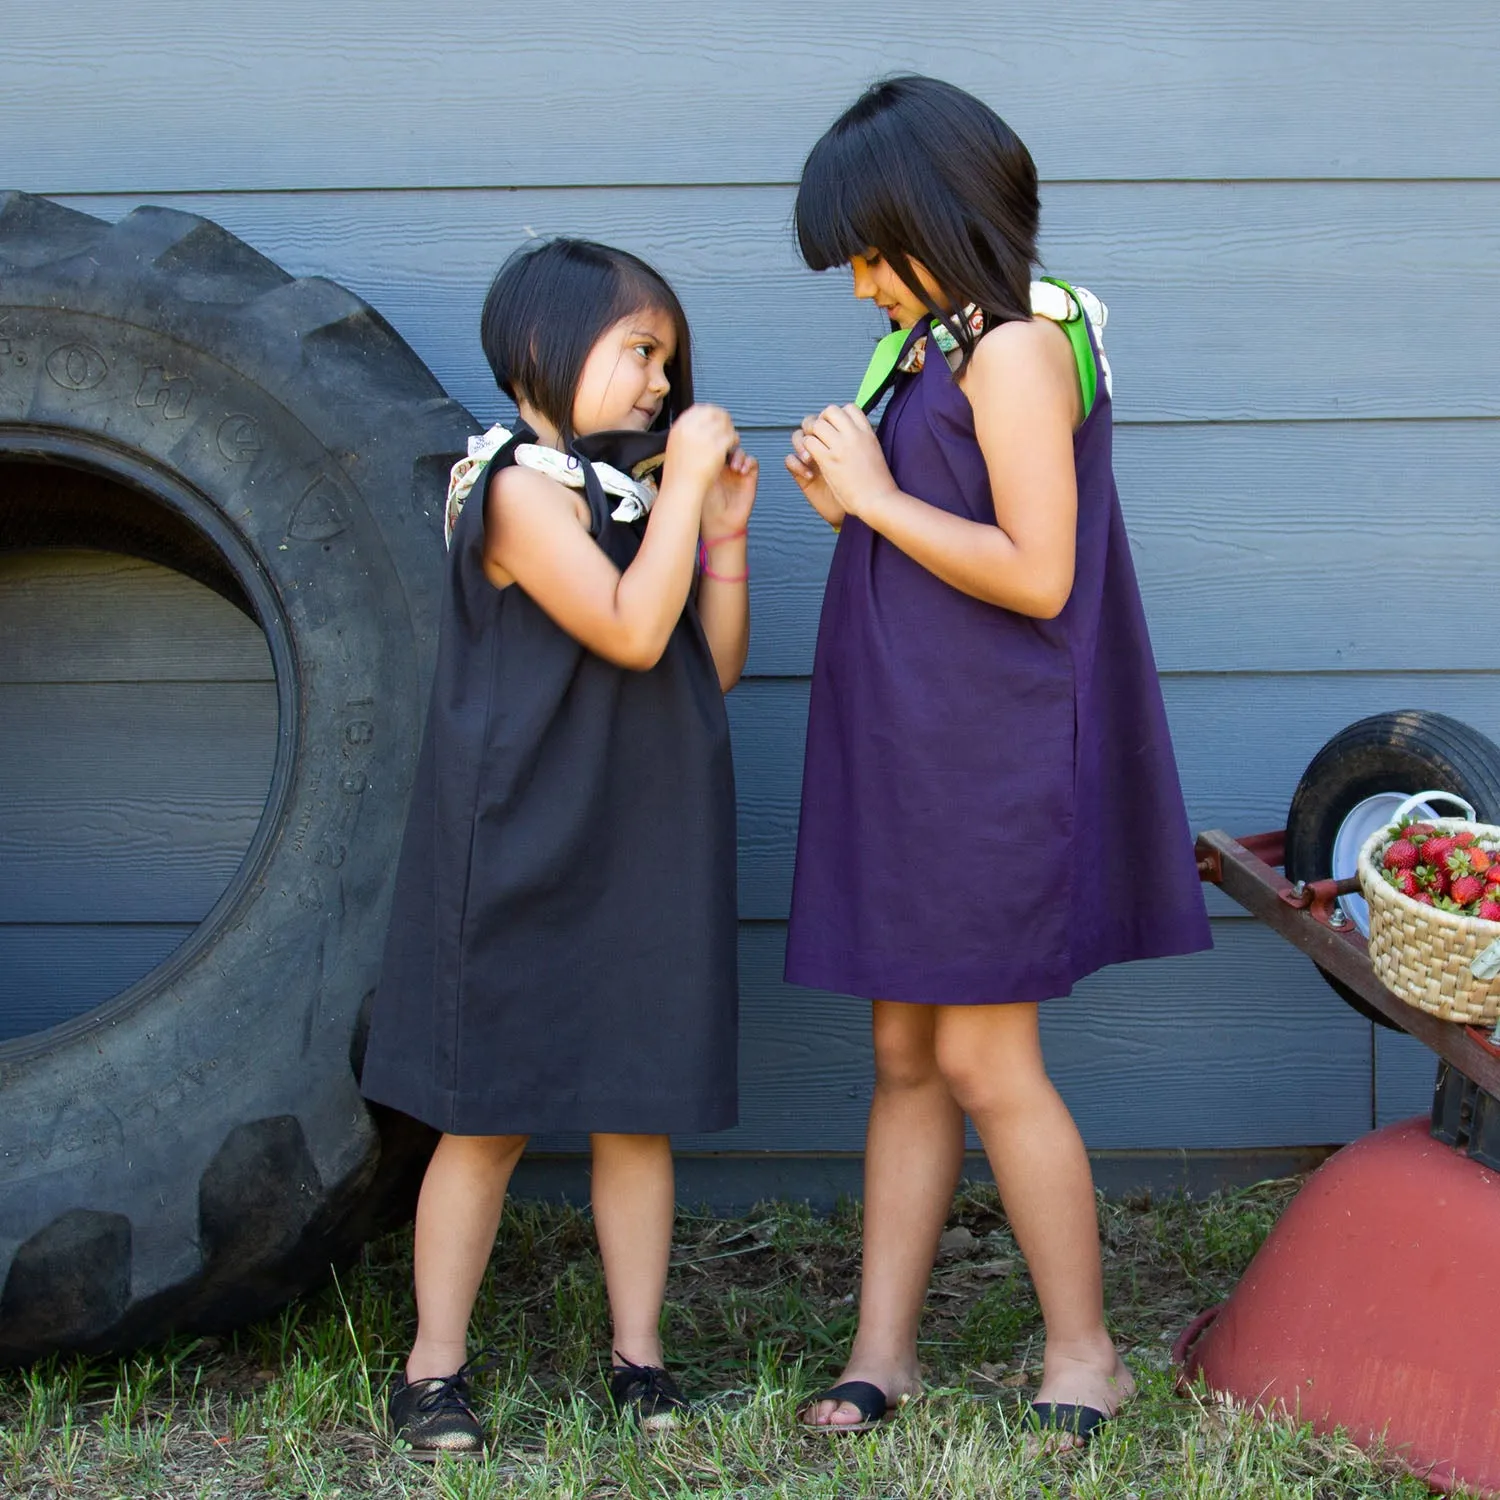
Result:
{"points": [[449, 1394], [451, 1391], [646, 1382]]}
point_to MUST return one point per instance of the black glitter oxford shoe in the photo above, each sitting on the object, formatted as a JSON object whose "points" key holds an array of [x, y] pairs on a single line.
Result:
{"points": [[432, 1417], [645, 1392]]}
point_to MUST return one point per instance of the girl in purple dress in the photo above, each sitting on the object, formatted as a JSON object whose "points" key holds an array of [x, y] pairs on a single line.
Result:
{"points": [[990, 805]]}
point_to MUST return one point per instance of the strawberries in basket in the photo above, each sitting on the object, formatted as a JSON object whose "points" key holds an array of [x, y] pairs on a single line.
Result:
{"points": [[1458, 872]]}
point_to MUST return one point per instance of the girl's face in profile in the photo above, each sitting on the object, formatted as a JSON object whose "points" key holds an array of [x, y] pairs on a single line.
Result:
{"points": [[624, 380], [875, 281]]}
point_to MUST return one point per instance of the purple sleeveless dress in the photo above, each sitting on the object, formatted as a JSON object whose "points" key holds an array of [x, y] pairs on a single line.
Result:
{"points": [[990, 804]]}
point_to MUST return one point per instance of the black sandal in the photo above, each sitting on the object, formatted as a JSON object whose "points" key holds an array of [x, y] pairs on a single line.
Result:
{"points": [[1068, 1420], [868, 1400]]}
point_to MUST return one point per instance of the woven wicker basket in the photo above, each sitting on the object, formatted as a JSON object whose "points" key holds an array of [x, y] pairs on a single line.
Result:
{"points": [[1422, 953]]}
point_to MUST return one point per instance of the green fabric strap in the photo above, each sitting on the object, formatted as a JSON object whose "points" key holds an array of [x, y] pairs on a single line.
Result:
{"points": [[888, 351], [882, 362], [1077, 330]]}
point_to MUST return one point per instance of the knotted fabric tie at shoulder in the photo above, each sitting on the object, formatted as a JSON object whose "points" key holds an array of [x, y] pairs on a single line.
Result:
{"points": [[641, 453]]}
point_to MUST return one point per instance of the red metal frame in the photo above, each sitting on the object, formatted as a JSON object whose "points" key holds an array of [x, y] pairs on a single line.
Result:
{"points": [[1248, 871]]}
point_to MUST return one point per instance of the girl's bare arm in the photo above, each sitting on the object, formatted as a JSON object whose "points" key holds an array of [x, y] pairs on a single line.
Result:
{"points": [[723, 588], [536, 535], [724, 612], [1022, 384]]}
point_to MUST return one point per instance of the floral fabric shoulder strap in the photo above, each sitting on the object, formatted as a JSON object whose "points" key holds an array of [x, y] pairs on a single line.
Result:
{"points": [[1085, 311], [634, 491]]}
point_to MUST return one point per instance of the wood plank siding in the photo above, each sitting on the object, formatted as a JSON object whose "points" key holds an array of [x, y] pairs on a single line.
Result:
{"points": [[1293, 213], [138, 727], [1229, 302], [282, 94]]}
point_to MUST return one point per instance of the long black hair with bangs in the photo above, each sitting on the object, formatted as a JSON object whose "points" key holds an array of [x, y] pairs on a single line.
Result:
{"points": [[548, 306], [919, 170]]}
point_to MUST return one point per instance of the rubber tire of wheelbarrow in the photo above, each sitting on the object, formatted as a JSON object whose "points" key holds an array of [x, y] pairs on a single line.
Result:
{"points": [[194, 1152], [1410, 751]]}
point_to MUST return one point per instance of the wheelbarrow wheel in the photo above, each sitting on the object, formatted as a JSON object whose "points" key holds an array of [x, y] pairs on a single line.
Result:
{"points": [[1357, 780]]}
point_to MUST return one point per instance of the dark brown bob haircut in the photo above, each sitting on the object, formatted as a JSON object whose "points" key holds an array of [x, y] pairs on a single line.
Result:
{"points": [[917, 169], [548, 306]]}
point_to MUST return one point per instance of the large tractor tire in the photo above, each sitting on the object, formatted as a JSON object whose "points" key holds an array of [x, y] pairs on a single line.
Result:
{"points": [[194, 1151]]}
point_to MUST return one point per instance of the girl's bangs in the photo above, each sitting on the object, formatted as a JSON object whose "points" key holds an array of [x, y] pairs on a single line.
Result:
{"points": [[837, 214], [637, 290]]}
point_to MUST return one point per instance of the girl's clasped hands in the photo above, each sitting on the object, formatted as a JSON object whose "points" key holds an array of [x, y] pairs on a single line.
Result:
{"points": [[837, 463]]}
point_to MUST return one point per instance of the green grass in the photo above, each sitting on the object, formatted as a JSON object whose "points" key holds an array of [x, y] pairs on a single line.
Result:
{"points": [[759, 1312]]}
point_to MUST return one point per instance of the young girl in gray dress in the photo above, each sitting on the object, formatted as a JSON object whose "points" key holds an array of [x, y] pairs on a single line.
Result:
{"points": [[561, 952], [990, 805]]}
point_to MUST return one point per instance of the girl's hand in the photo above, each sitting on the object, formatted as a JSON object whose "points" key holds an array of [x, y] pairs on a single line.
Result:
{"points": [[843, 446], [726, 507], [699, 447], [801, 466]]}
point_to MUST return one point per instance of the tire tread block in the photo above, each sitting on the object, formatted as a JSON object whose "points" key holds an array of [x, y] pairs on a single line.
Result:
{"points": [[69, 1284]]}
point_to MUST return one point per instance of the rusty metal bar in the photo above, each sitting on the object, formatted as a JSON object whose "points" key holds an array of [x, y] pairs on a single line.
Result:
{"points": [[1256, 885]]}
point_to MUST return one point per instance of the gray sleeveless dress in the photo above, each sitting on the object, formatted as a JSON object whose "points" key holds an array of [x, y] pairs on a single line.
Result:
{"points": [[562, 944]]}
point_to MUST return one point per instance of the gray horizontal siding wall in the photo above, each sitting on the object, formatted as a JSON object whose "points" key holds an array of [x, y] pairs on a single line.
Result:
{"points": [[138, 725], [1292, 212]]}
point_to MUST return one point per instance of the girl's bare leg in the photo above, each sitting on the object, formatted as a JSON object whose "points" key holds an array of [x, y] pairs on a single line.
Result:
{"points": [[991, 1057], [634, 1202], [458, 1213], [913, 1153]]}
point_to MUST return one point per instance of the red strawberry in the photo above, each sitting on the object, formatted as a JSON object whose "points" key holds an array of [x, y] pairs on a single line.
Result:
{"points": [[1466, 889], [1466, 839], [1425, 899], [1489, 909], [1402, 855], [1406, 883], [1436, 850], [1480, 860], [1430, 878], [1418, 830], [1492, 875]]}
